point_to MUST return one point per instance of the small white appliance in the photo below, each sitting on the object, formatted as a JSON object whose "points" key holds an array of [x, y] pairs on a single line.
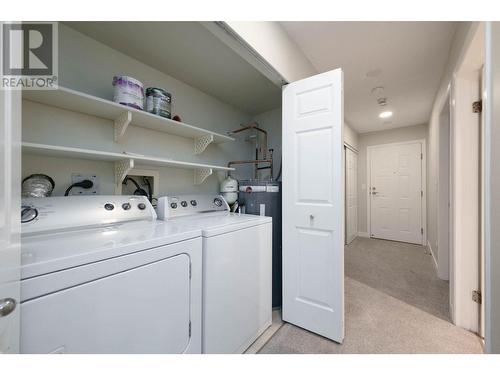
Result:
{"points": [[229, 189], [101, 275], [237, 276]]}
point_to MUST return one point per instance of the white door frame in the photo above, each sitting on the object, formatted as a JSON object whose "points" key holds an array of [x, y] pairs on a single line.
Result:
{"points": [[492, 189], [445, 189], [10, 216], [465, 89], [349, 147], [423, 203]]}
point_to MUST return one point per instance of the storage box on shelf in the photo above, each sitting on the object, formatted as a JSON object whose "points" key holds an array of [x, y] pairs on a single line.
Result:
{"points": [[123, 116]]}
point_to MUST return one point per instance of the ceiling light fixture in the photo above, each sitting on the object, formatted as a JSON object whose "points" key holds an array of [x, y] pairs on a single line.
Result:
{"points": [[385, 114], [382, 101]]}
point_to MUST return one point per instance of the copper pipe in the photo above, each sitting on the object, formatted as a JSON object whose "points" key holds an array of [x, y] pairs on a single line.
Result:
{"points": [[255, 162], [253, 125]]}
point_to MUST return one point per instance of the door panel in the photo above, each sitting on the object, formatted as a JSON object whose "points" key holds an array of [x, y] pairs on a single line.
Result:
{"points": [[395, 192], [313, 272], [149, 313], [313, 208], [314, 183]]}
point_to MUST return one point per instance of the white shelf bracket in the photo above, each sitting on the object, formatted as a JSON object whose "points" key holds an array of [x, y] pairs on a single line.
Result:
{"points": [[201, 143], [122, 168], [201, 175], [121, 125]]}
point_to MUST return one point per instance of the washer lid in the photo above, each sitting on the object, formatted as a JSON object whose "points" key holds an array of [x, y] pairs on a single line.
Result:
{"points": [[50, 252], [213, 224]]}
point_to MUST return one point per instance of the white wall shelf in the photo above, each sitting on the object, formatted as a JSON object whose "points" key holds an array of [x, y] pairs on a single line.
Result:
{"points": [[123, 116], [123, 162]]}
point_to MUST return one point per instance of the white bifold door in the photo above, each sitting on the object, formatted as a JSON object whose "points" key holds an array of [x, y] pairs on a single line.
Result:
{"points": [[313, 205], [396, 192]]}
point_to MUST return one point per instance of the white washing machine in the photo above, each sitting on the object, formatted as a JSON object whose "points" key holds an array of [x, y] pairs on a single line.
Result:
{"points": [[101, 275], [237, 269]]}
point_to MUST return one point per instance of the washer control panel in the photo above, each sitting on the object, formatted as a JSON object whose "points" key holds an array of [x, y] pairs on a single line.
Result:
{"points": [[56, 213], [183, 205]]}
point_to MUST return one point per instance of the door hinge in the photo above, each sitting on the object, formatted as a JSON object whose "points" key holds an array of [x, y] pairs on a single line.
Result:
{"points": [[421, 193], [190, 272], [477, 107], [476, 296], [421, 230], [421, 156], [189, 328]]}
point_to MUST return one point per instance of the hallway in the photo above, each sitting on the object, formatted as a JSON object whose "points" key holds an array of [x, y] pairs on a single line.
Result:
{"points": [[400, 270], [394, 304]]}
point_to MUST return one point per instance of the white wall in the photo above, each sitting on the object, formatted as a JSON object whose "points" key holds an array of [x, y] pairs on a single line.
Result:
{"points": [[271, 42], [461, 38], [89, 66], [404, 134]]}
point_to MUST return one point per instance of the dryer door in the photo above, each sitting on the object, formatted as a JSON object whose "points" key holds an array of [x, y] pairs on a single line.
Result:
{"points": [[142, 310]]}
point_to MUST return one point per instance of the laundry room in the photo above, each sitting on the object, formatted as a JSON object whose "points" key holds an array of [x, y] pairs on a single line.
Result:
{"points": [[285, 187], [92, 141]]}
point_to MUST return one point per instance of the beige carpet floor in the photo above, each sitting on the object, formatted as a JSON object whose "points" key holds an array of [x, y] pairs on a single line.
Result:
{"points": [[394, 303]]}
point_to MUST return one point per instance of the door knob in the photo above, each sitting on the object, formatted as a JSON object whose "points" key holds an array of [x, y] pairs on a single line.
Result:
{"points": [[7, 305]]}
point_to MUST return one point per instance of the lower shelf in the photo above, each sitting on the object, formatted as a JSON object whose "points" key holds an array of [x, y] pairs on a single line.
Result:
{"points": [[123, 161]]}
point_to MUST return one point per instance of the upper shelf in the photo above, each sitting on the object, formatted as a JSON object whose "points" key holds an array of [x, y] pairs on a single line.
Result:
{"points": [[123, 116]]}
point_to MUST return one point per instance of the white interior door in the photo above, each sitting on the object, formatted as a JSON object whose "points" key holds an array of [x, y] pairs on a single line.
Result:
{"points": [[313, 205], [396, 192], [10, 221], [351, 194]]}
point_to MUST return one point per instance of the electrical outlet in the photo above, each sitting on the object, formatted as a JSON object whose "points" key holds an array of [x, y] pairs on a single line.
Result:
{"points": [[77, 177]]}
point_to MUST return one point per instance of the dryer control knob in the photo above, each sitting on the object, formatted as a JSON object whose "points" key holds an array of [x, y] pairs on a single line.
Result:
{"points": [[184, 204], [28, 214], [126, 206], [109, 206], [218, 202]]}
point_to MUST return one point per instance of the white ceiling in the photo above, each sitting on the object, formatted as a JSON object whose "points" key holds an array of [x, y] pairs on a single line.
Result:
{"points": [[189, 52], [406, 58]]}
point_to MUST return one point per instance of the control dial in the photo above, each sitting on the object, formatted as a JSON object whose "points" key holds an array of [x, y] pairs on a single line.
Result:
{"points": [[28, 214], [109, 206], [184, 204], [193, 202], [218, 202], [126, 206]]}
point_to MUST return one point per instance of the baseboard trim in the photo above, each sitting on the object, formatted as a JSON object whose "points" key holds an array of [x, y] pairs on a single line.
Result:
{"points": [[363, 234], [433, 257]]}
